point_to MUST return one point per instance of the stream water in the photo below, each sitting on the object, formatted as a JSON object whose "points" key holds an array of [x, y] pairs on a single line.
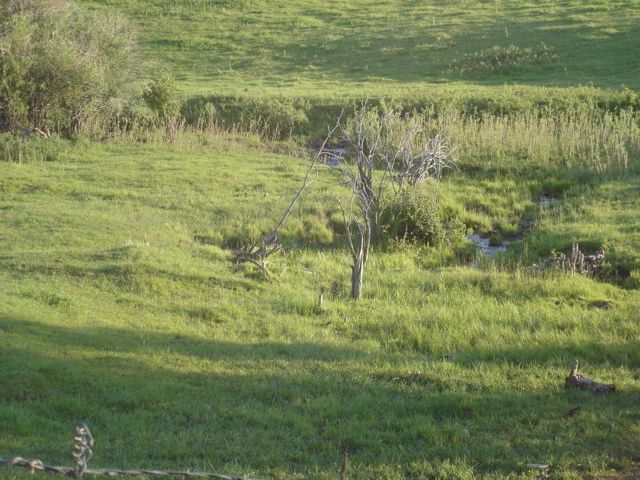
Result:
{"points": [[484, 248], [488, 250], [332, 156]]}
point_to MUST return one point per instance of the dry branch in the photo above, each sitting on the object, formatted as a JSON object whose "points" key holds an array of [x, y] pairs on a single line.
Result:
{"points": [[258, 252], [345, 464], [578, 381], [578, 262]]}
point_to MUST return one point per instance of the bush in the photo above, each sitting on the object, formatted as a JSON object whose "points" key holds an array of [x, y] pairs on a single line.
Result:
{"points": [[282, 119], [413, 216], [161, 96], [60, 65]]}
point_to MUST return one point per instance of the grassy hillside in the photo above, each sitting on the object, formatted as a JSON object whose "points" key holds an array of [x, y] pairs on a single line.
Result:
{"points": [[364, 47], [121, 309], [123, 304]]}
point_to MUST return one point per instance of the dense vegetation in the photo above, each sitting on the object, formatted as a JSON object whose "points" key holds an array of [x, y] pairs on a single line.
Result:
{"points": [[123, 303], [61, 65]]}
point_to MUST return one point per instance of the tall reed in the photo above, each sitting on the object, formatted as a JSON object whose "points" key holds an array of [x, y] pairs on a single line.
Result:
{"points": [[601, 143], [582, 140]]}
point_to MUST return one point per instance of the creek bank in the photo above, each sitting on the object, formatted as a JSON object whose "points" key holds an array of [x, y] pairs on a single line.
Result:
{"points": [[483, 243], [484, 247]]}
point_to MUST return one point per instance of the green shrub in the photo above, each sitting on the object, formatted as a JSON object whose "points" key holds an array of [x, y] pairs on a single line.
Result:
{"points": [[283, 119], [413, 216], [161, 96], [61, 65]]}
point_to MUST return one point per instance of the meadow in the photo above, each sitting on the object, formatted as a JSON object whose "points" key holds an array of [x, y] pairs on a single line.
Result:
{"points": [[123, 304], [329, 48]]}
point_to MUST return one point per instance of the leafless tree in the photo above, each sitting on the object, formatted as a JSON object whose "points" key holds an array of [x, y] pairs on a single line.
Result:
{"points": [[383, 150]]}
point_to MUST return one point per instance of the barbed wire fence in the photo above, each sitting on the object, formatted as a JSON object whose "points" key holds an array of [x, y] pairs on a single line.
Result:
{"points": [[82, 453]]}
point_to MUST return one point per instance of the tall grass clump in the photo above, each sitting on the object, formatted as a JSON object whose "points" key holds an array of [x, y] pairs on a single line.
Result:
{"points": [[586, 130], [587, 142], [502, 60], [272, 118], [583, 137], [23, 149]]}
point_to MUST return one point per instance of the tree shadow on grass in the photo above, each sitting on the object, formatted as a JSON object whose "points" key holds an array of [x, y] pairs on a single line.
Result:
{"points": [[292, 407]]}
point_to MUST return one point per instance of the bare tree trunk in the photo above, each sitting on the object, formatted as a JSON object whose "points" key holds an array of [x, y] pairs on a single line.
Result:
{"points": [[357, 270]]}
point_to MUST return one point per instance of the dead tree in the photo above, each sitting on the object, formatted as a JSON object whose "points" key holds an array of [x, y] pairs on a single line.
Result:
{"points": [[358, 168], [258, 252], [382, 150]]}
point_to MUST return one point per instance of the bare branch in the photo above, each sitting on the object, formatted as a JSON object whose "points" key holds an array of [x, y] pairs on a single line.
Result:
{"points": [[261, 267], [262, 248], [347, 222]]}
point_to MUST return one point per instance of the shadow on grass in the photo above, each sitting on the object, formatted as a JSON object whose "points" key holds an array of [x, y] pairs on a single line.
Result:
{"points": [[172, 401], [404, 53]]}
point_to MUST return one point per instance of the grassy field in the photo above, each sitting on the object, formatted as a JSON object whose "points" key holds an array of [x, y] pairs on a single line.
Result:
{"points": [[122, 304], [362, 47], [120, 309]]}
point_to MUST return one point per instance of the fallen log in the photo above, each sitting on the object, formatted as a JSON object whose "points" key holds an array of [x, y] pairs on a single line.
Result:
{"points": [[578, 381]]}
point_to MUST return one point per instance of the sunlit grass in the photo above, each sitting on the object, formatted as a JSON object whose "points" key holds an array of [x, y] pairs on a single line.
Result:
{"points": [[362, 47], [122, 304], [121, 307]]}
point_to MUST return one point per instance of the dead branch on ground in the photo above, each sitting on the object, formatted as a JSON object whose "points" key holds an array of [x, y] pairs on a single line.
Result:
{"points": [[578, 381], [578, 262], [258, 252]]}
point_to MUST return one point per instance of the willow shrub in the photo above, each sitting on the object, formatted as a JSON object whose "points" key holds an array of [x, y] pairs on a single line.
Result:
{"points": [[414, 216], [61, 65]]}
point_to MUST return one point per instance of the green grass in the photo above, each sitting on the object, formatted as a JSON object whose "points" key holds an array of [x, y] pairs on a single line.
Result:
{"points": [[121, 309], [294, 48], [122, 305]]}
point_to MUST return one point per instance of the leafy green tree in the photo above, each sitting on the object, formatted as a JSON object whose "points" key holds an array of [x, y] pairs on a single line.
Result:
{"points": [[60, 65], [161, 96]]}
